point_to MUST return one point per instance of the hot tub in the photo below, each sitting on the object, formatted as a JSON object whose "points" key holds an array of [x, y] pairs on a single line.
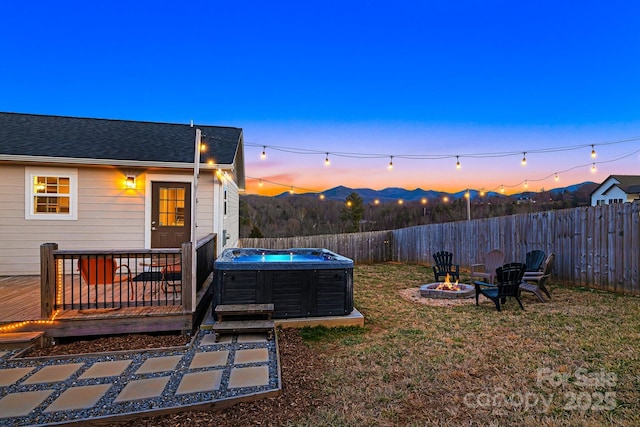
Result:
{"points": [[299, 282]]}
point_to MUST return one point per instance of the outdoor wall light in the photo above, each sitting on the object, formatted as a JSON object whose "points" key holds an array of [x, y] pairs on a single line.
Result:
{"points": [[130, 181]]}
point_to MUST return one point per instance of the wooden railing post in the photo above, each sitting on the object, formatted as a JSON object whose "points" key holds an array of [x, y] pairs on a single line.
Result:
{"points": [[47, 279], [188, 278]]}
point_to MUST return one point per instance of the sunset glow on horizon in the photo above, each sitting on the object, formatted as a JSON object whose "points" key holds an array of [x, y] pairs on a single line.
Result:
{"points": [[346, 89]]}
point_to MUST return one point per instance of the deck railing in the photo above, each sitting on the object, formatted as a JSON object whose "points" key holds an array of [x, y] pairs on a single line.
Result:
{"points": [[113, 279]]}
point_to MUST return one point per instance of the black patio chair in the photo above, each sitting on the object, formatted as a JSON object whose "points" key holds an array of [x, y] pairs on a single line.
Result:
{"points": [[534, 281], [509, 278], [534, 260], [444, 265]]}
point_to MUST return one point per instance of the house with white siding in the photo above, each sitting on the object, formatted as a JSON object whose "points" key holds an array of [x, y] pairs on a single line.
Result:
{"points": [[617, 189], [89, 183]]}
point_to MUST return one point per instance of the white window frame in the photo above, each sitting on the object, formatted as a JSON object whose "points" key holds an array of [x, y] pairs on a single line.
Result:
{"points": [[29, 194], [225, 200]]}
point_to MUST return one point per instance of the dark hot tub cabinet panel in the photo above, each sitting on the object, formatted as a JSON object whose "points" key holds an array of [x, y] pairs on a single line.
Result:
{"points": [[299, 282]]}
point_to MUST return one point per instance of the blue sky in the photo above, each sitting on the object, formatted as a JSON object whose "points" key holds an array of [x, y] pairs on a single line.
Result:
{"points": [[374, 79]]}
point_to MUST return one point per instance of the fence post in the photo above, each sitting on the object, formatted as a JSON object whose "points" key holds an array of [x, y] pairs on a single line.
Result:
{"points": [[47, 279], [188, 279]]}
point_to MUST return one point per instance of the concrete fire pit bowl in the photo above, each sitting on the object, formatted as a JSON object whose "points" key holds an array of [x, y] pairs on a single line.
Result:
{"points": [[429, 291]]}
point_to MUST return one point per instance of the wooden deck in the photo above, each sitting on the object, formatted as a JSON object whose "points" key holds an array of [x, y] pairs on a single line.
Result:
{"points": [[20, 298]]}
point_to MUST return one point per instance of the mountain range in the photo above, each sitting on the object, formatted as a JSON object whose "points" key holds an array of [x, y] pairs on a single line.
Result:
{"points": [[393, 194]]}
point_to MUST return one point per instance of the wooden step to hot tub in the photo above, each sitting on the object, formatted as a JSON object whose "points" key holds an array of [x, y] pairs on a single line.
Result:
{"points": [[243, 319], [243, 327], [243, 310]]}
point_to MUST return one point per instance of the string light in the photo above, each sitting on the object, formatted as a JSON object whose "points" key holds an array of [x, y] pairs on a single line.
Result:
{"points": [[264, 152], [458, 162], [593, 152], [321, 196], [555, 175], [326, 160], [260, 183], [203, 147], [291, 190], [400, 201], [553, 149], [526, 184], [524, 158]]}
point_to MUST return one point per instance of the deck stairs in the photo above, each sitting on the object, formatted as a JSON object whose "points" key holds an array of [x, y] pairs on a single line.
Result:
{"points": [[243, 319], [18, 340]]}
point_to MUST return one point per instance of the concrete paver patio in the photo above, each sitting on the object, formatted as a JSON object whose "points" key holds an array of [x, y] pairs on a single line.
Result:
{"points": [[122, 385]]}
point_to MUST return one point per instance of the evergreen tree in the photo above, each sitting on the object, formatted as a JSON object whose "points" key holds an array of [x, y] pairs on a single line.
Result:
{"points": [[352, 212]]}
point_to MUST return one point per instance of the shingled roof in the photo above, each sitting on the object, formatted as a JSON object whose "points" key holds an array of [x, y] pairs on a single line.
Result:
{"points": [[115, 141], [630, 184]]}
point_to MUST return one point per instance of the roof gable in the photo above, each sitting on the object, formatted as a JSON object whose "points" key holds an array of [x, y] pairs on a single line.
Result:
{"points": [[114, 140], [630, 184]]}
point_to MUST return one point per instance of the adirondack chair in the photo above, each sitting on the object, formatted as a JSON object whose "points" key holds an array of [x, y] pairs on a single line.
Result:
{"points": [[509, 278], [534, 260], [487, 271], [533, 281], [444, 265]]}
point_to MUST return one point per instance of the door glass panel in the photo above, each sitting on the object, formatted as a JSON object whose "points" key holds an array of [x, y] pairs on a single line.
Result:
{"points": [[171, 206]]}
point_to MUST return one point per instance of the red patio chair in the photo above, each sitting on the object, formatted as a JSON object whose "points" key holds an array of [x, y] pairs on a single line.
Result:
{"points": [[103, 270]]}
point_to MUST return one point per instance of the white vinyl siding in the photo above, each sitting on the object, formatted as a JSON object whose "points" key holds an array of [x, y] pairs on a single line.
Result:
{"points": [[231, 222], [109, 217], [205, 209]]}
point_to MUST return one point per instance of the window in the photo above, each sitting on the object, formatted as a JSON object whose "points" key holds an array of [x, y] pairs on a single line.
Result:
{"points": [[171, 206], [225, 200], [51, 193]]}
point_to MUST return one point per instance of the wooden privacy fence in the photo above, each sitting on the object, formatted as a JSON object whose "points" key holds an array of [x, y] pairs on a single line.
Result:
{"points": [[595, 246]]}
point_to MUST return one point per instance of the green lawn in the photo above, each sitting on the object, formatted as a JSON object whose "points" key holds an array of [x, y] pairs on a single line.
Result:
{"points": [[573, 361]]}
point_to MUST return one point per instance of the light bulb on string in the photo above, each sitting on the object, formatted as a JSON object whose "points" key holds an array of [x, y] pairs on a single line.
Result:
{"points": [[260, 183], [526, 184], [264, 153], [458, 162], [556, 177], [390, 163], [326, 160], [593, 168], [291, 190], [502, 188], [524, 158], [593, 152]]}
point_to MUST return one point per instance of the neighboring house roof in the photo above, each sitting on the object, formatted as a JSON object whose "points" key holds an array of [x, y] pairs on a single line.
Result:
{"points": [[630, 184], [114, 141]]}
